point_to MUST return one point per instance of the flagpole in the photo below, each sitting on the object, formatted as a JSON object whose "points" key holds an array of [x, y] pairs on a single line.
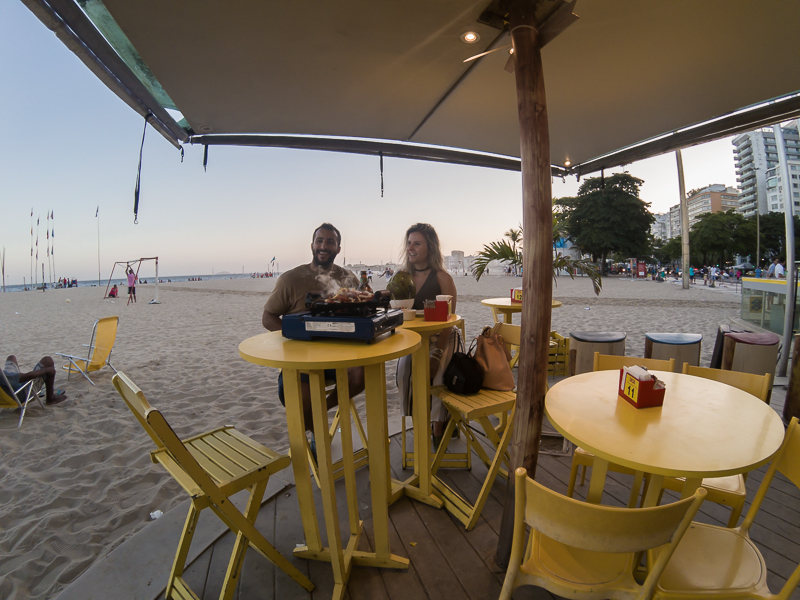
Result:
{"points": [[97, 215], [53, 243], [37, 254], [47, 235], [31, 247]]}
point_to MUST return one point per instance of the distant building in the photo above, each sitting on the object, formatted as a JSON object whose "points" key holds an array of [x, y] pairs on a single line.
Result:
{"points": [[711, 199], [674, 222], [660, 228], [777, 191], [756, 154]]}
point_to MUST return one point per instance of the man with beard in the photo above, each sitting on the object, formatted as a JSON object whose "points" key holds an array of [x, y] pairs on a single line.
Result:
{"points": [[289, 297]]}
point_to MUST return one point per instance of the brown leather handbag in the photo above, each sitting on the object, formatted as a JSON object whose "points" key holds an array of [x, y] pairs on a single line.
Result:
{"points": [[493, 356]]}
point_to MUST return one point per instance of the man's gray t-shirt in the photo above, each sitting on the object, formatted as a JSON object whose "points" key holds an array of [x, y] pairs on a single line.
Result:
{"points": [[289, 296]]}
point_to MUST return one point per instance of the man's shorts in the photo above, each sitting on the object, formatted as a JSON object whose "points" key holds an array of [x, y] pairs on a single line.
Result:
{"points": [[131, 290], [329, 374]]}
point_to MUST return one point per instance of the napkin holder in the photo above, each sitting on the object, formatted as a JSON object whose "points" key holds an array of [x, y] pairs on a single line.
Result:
{"points": [[439, 312], [516, 295], [640, 388]]}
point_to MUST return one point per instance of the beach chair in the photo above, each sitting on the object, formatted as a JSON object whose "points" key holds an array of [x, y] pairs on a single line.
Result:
{"points": [[728, 491], [722, 563], [477, 407], [580, 550], [103, 335], [583, 458], [212, 467], [10, 398]]}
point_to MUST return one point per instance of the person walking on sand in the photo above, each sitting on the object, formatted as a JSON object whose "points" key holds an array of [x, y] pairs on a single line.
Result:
{"points": [[131, 285]]}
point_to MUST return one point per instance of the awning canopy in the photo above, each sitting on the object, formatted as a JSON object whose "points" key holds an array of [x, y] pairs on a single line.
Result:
{"points": [[623, 73]]}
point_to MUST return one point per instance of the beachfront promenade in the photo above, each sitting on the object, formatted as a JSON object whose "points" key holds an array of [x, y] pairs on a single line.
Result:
{"points": [[78, 481]]}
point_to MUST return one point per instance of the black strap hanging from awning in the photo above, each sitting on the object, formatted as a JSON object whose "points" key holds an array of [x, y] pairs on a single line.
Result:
{"points": [[381, 155], [205, 158], [138, 178]]}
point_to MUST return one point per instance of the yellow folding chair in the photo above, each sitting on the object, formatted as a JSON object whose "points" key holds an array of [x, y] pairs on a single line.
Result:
{"points": [[580, 550], [721, 562], [104, 334], [10, 398], [728, 491], [212, 467], [477, 407], [582, 458]]}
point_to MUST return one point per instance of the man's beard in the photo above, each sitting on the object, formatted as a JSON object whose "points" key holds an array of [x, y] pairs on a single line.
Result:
{"points": [[317, 262]]}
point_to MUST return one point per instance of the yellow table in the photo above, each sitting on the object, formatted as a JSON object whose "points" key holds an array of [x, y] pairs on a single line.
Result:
{"points": [[294, 357], [704, 429], [507, 308], [419, 485]]}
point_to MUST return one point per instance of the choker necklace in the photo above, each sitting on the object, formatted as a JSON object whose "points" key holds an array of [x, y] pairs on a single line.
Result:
{"points": [[421, 270]]}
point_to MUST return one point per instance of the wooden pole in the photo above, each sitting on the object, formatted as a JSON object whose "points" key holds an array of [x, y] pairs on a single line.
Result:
{"points": [[685, 261], [537, 274]]}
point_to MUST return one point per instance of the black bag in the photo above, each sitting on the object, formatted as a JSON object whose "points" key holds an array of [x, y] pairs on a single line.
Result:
{"points": [[463, 375]]}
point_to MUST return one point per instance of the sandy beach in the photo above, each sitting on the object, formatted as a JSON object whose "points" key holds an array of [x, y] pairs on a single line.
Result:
{"points": [[77, 477]]}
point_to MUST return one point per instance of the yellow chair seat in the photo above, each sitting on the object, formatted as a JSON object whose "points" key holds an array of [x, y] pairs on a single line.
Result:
{"points": [[578, 568], [711, 558], [234, 461]]}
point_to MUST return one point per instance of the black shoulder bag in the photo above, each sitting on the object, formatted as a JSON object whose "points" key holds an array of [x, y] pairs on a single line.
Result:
{"points": [[463, 375]]}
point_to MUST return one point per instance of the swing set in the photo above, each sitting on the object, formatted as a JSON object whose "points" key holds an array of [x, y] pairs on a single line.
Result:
{"points": [[138, 262]]}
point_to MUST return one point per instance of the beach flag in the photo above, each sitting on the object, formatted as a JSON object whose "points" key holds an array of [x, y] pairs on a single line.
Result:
{"points": [[97, 212], [53, 234], [51, 214], [273, 259], [37, 221]]}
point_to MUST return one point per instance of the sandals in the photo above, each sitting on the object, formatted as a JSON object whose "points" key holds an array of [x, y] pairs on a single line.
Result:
{"points": [[58, 397]]}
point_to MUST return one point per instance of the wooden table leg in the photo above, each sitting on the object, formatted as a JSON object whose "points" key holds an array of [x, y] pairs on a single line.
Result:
{"points": [[653, 491], [319, 410], [691, 486], [296, 428], [348, 460], [379, 467], [598, 481]]}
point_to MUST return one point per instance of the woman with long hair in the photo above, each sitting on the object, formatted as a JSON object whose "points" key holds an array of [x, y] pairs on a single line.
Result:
{"points": [[422, 259]]}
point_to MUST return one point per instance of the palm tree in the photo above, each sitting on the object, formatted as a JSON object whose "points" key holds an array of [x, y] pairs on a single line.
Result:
{"points": [[515, 237], [510, 255]]}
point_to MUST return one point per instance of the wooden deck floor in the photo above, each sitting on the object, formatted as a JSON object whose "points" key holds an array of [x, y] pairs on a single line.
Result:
{"points": [[448, 563]]}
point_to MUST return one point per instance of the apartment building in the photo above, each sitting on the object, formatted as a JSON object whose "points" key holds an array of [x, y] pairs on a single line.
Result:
{"points": [[660, 228], [756, 154], [711, 199]]}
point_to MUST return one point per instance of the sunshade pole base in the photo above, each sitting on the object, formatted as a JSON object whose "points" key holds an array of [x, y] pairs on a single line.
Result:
{"points": [[537, 275]]}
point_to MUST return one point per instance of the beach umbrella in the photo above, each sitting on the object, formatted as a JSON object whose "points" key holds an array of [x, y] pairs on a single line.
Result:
{"points": [[624, 81]]}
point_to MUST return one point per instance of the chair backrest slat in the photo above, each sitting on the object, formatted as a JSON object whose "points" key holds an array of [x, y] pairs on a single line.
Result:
{"points": [[601, 528], [788, 463], [511, 336], [103, 337], [606, 362], [136, 402], [6, 401], [757, 385]]}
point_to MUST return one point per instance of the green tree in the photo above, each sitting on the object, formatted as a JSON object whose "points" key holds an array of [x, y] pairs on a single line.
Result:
{"points": [[510, 254], [607, 216], [773, 235], [719, 236], [669, 252]]}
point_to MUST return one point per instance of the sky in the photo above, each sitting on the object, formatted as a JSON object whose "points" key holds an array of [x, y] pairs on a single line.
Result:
{"points": [[71, 146]]}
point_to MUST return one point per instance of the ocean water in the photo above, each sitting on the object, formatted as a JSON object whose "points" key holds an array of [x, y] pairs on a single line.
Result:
{"points": [[122, 282]]}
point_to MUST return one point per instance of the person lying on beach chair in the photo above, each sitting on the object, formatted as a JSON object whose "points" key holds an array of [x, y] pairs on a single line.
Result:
{"points": [[289, 297], [44, 369]]}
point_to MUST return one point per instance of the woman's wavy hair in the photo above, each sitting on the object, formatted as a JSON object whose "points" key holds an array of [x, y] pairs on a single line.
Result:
{"points": [[435, 260]]}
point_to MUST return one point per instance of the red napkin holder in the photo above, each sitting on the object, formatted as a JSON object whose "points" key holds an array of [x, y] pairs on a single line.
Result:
{"points": [[639, 394], [516, 295], [439, 312]]}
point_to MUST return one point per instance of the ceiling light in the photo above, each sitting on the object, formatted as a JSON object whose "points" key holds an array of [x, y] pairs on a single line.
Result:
{"points": [[206, 128], [511, 51], [567, 163], [470, 37]]}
